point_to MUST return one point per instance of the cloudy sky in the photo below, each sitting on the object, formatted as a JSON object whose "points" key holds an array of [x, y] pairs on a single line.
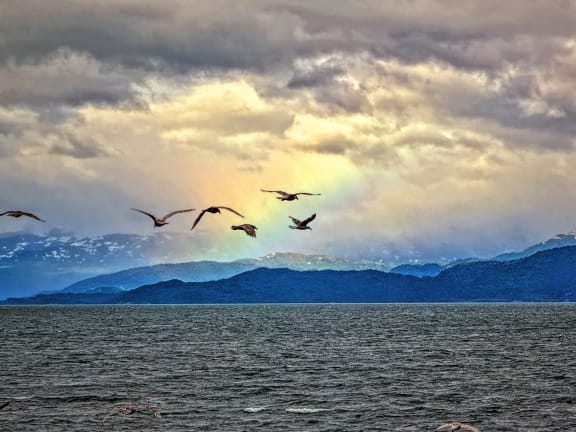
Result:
{"points": [[431, 127]]}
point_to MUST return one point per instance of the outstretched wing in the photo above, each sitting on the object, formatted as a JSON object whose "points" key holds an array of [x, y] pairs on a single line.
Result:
{"points": [[146, 213], [198, 219], [296, 221], [4, 404], [276, 191], [229, 209], [310, 219], [306, 193], [177, 212], [469, 427], [33, 216]]}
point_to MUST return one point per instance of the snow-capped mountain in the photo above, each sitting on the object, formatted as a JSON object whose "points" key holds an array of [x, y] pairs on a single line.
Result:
{"points": [[61, 247], [559, 240], [297, 261], [31, 263]]}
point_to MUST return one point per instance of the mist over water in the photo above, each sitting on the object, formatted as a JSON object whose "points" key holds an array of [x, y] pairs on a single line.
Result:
{"points": [[500, 367]]}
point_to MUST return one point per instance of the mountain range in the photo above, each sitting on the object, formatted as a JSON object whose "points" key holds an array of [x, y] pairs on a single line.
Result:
{"points": [[546, 276], [30, 264]]}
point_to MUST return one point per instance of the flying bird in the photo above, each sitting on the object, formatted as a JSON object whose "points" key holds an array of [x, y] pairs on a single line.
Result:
{"points": [[4, 405], [18, 213], [247, 228], [215, 209], [158, 222], [285, 196], [457, 426], [302, 225]]}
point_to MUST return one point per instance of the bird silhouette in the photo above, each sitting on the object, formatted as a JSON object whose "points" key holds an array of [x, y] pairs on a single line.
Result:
{"points": [[302, 225], [4, 405], [18, 213], [247, 228], [285, 196], [158, 222], [457, 426], [214, 209]]}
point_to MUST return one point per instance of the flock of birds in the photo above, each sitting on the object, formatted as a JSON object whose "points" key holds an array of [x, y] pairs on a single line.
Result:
{"points": [[249, 229]]}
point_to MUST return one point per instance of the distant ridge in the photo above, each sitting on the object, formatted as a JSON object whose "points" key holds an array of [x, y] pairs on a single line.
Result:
{"points": [[201, 271], [547, 276]]}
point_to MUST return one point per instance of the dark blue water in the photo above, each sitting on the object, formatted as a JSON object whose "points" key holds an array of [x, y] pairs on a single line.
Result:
{"points": [[289, 368]]}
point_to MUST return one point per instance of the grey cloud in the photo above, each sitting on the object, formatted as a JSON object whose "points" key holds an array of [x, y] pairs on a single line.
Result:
{"points": [[263, 34], [332, 146], [8, 147], [64, 78], [69, 144], [313, 76], [24, 132], [70, 53]]}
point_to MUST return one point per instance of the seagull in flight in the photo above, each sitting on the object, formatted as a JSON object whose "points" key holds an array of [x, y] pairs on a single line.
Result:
{"points": [[285, 196], [215, 209], [158, 222], [302, 225], [18, 213], [247, 228], [457, 426]]}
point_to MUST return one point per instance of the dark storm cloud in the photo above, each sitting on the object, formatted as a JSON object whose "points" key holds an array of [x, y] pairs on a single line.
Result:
{"points": [[178, 34], [262, 34]]}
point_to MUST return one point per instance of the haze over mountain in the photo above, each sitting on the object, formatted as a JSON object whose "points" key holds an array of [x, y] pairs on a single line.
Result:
{"points": [[30, 263]]}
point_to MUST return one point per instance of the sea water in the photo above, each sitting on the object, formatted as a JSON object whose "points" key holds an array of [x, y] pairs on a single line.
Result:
{"points": [[500, 367]]}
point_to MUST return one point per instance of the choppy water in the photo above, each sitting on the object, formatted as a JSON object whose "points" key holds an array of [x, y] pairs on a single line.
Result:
{"points": [[289, 368]]}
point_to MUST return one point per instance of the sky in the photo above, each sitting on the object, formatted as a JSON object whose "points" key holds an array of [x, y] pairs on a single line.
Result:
{"points": [[431, 128]]}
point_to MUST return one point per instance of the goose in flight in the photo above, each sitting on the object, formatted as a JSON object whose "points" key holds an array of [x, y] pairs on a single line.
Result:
{"points": [[285, 196], [247, 228], [457, 426], [158, 222], [302, 225], [215, 209], [18, 213]]}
